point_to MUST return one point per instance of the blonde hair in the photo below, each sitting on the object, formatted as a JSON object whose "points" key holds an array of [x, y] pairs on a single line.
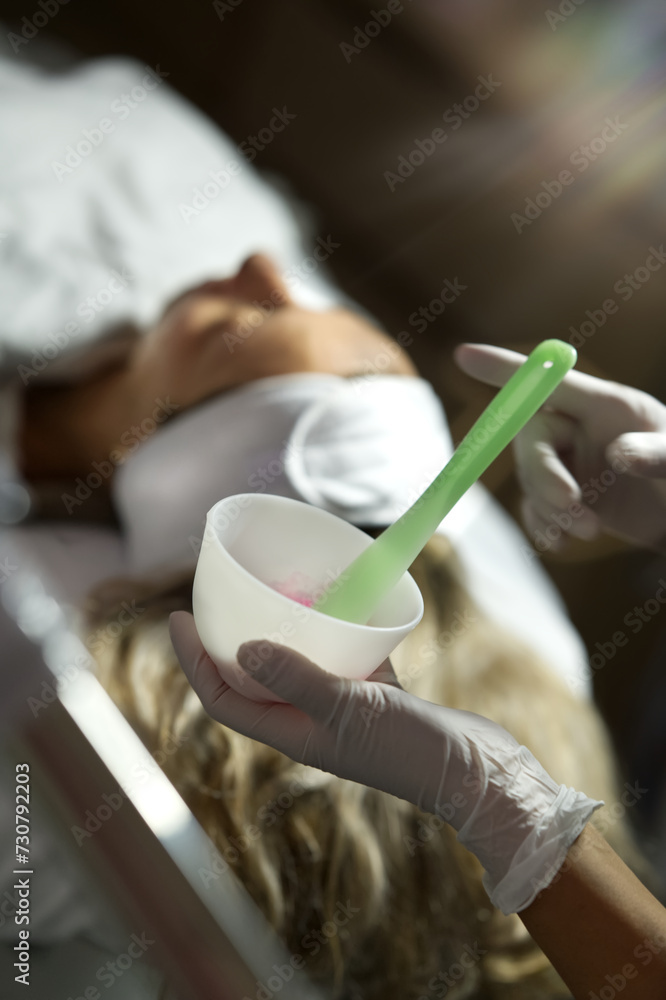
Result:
{"points": [[377, 897]]}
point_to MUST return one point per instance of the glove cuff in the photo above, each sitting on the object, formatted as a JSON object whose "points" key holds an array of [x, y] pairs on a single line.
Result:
{"points": [[541, 855]]}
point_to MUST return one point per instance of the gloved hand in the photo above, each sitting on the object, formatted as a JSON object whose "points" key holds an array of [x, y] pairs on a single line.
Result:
{"points": [[593, 458], [465, 769]]}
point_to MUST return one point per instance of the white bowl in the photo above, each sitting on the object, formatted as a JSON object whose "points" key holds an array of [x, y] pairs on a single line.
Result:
{"points": [[254, 542]]}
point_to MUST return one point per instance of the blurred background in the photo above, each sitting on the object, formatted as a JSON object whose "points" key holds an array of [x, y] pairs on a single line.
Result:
{"points": [[431, 137]]}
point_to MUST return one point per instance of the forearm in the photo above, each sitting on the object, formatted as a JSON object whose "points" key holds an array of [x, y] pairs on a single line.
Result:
{"points": [[600, 926]]}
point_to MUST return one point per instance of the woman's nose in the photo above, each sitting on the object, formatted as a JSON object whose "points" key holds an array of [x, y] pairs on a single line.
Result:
{"points": [[258, 279]]}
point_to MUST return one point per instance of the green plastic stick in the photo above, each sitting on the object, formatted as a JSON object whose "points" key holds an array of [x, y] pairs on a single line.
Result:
{"points": [[369, 578]]}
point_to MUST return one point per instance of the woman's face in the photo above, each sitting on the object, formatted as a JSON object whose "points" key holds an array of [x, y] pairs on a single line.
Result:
{"points": [[228, 332]]}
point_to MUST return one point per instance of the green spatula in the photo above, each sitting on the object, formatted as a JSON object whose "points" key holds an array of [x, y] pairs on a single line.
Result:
{"points": [[369, 578]]}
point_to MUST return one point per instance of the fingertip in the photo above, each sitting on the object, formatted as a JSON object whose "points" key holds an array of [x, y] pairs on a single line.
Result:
{"points": [[255, 652], [178, 619], [463, 348], [544, 536], [639, 453], [464, 353], [620, 449], [553, 484], [182, 632]]}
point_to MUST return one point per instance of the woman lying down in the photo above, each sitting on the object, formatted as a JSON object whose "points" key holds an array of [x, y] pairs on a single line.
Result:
{"points": [[378, 897]]}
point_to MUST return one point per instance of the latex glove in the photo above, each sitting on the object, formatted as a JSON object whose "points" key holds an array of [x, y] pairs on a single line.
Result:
{"points": [[465, 769], [591, 459]]}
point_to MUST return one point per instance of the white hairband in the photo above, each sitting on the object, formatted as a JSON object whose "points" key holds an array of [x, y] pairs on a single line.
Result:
{"points": [[363, 448]]}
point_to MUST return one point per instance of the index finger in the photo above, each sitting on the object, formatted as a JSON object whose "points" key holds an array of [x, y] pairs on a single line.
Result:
{"points": [[274, 723], [577, 394]]}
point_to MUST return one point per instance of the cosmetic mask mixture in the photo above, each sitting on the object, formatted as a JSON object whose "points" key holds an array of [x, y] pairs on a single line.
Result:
{"points": [[299, 587]]}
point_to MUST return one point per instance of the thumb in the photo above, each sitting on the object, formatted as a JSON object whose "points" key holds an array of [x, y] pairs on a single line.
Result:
{"points": [[643, 451], [293, 677]]}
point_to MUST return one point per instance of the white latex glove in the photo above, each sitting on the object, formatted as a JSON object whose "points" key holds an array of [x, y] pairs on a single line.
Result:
{"points": [[593, 458], [465, 769]]}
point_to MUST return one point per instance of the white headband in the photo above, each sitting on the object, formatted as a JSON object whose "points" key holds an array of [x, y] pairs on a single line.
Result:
{"points": [[363, 448]]}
